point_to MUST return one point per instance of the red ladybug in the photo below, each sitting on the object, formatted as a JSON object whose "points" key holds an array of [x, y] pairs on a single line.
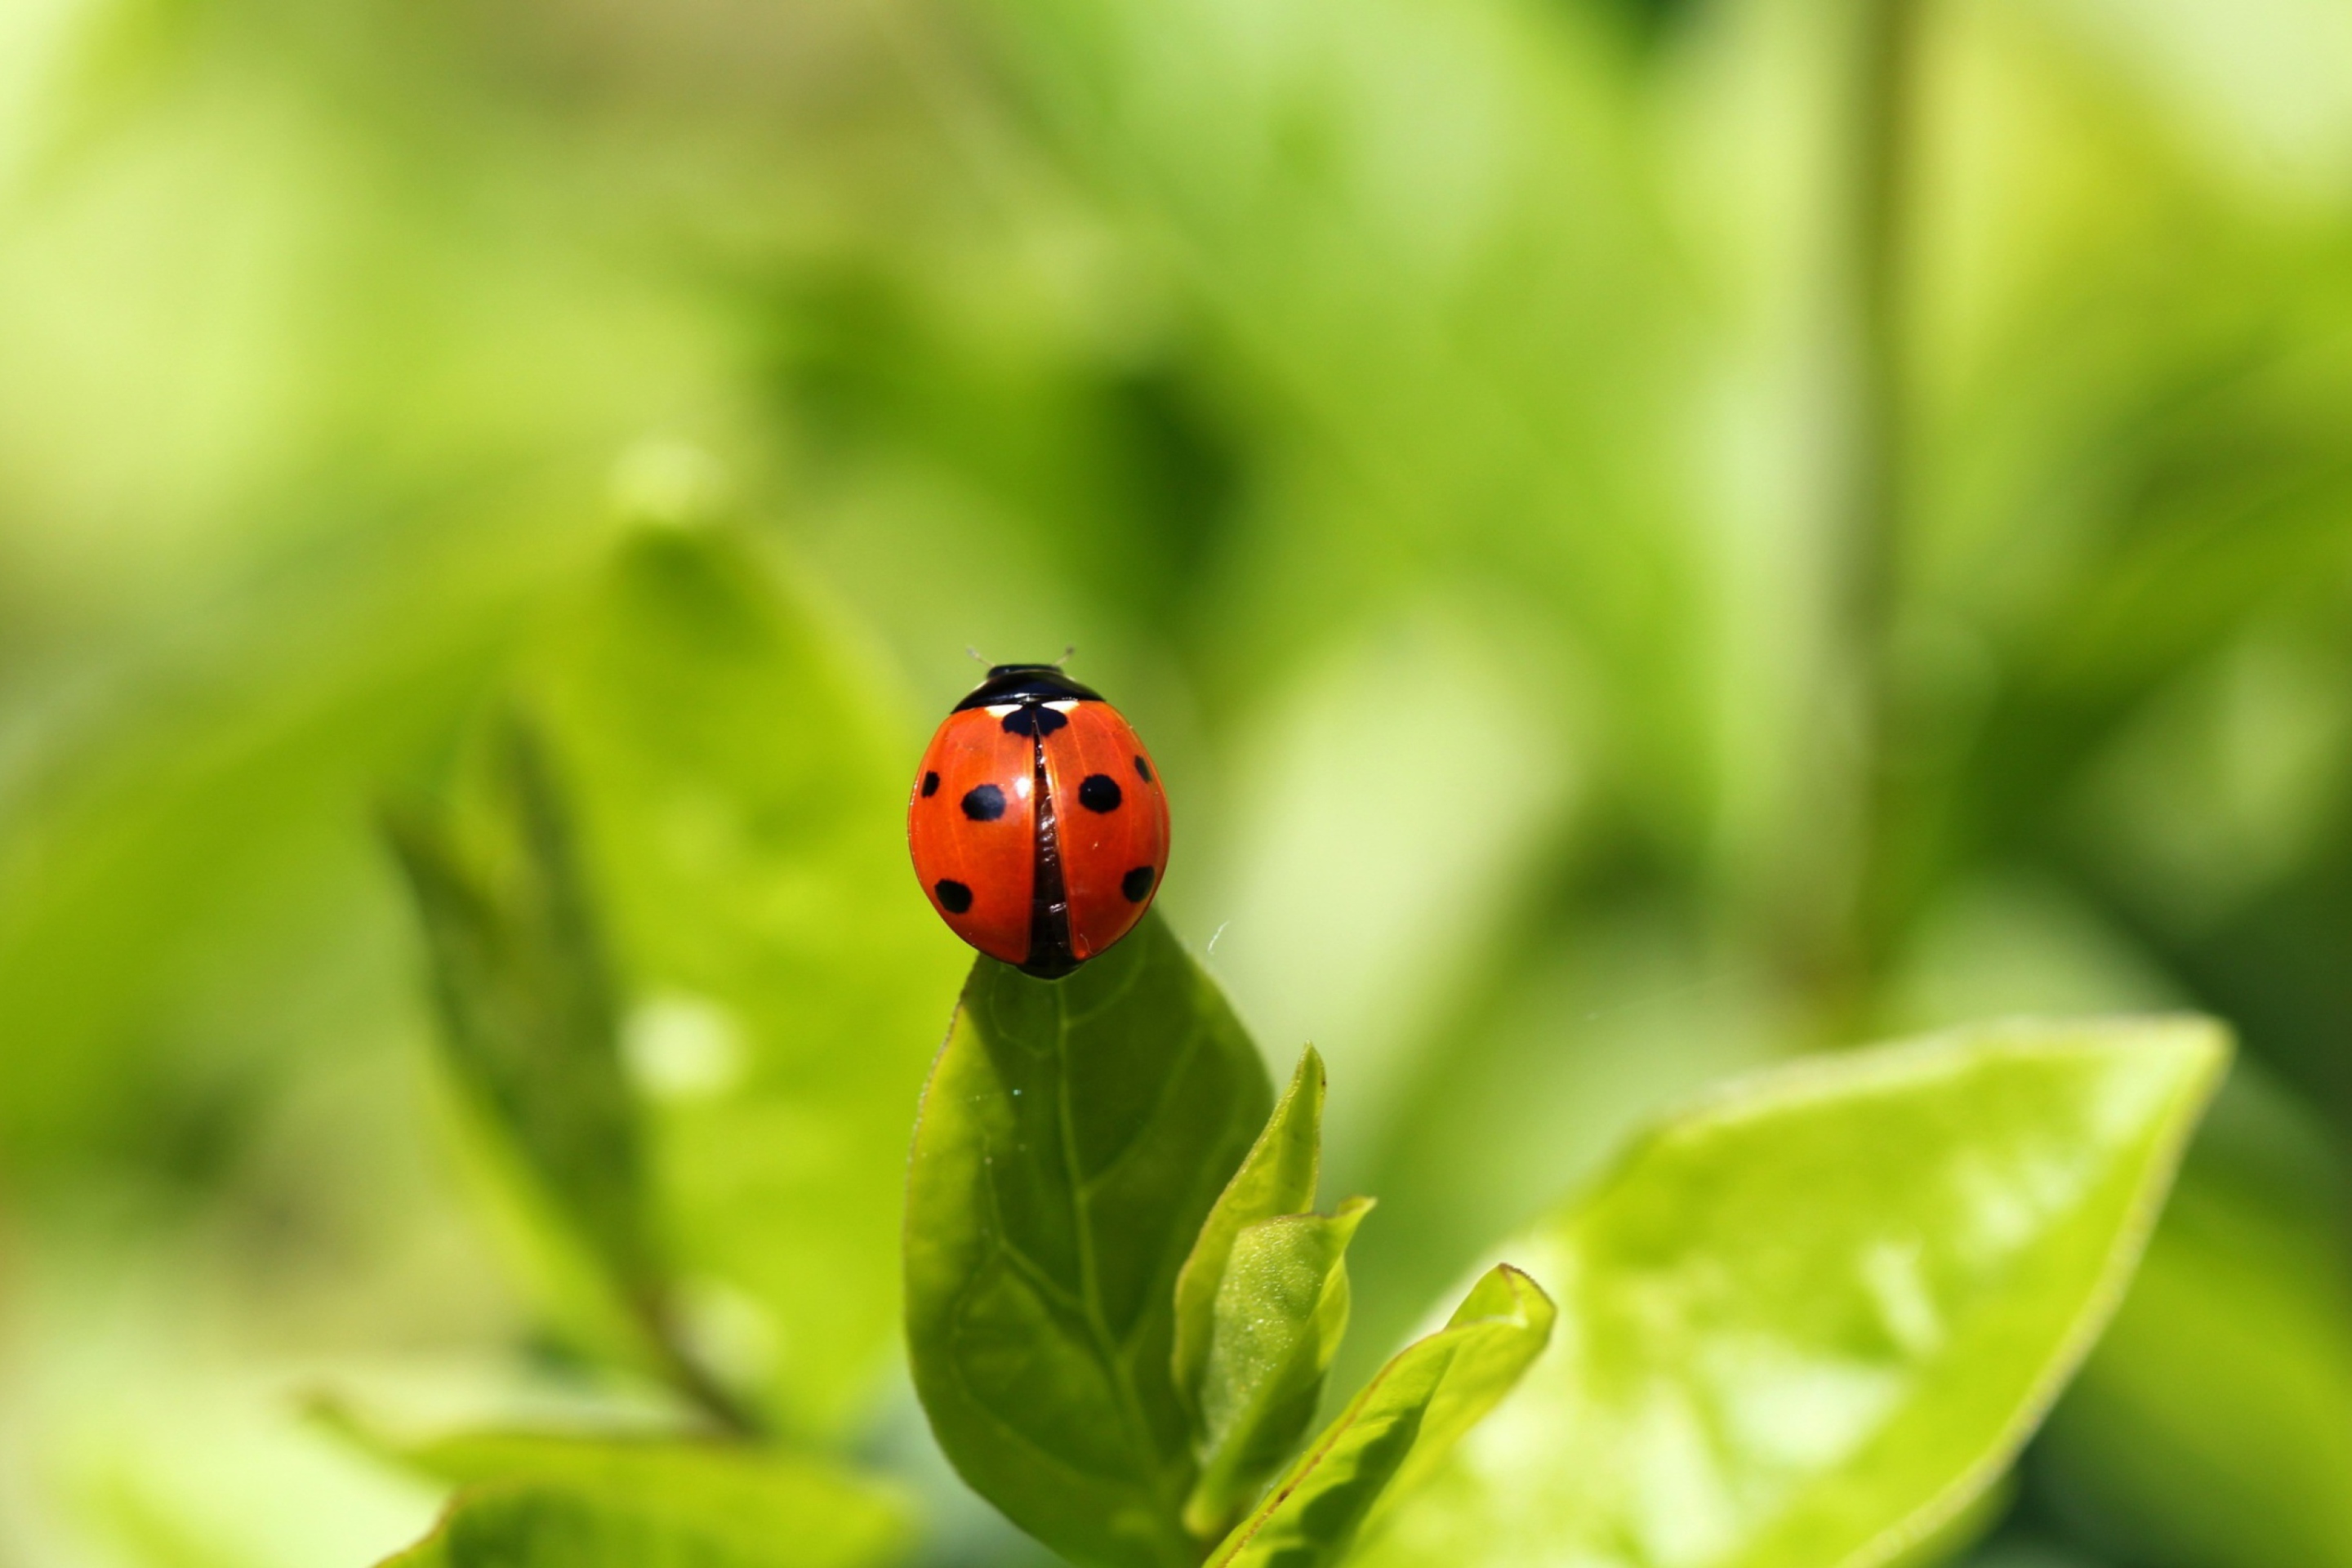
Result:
{"points": [[1038, 825]]}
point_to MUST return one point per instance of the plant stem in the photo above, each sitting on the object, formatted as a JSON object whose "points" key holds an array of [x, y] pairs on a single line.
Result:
{"points": [[689, 1378], [1884, 76], [1887, 75]]}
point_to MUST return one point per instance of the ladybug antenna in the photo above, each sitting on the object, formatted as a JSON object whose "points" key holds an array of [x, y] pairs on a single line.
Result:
{"points": [[1066, 654], [974, 652]]}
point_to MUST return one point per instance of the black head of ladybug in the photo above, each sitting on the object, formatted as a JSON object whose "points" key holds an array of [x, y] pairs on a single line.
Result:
{"points": [[1025, 683]]}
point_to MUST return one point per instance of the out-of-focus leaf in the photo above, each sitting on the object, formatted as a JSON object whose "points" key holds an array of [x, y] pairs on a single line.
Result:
{"points": [[1074, 1136], [1280, 1313], [740, 779], [1809, 1321], [190, 890], [527, 1012], [371, 436], [565, 1502], [1278, 1177], [1402, 1425]]}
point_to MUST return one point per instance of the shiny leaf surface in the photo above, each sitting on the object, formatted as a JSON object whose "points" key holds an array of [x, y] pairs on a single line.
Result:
{"points": [[1809, 1320]]}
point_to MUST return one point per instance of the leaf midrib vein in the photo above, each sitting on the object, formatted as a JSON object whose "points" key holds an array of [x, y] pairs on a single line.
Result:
{"points": [[1107, 1346]]}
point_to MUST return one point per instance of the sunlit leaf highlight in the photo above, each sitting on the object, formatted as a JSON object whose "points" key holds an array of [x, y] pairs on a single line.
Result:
{"points": [[1806, 1323]]}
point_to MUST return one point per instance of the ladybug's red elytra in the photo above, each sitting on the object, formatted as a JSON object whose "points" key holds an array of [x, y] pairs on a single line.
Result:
{"points": [[1038, 825]]}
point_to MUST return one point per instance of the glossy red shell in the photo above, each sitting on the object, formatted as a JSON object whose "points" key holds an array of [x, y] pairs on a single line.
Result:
{"points": [[981, 845]]}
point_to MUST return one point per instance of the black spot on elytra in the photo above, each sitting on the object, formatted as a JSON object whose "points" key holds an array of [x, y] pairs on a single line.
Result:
{"points": [[1028, 721], [1099, 793], [984, 803], [954, 896], [1143, 770], [1136, 884], [930, 785]]}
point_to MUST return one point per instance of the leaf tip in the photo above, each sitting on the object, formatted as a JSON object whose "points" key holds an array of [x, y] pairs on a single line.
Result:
{"points": [[1508, 1292]]}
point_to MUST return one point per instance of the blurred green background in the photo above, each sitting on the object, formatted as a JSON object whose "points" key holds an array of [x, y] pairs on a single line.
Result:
{"points": [[1647, 536]]}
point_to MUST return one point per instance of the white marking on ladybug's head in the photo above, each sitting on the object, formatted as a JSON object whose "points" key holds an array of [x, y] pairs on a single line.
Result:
{"points": [[1063, 707], [998, 710]]}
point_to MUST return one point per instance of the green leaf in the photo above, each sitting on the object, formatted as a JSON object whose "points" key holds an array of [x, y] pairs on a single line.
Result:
{"points": [[198, 863], [1810, 1319], [1280, 1313], [1072, 1139], [1278, 1177], [741, 777], [529, 1021], [1403, 1423], [532, 1498]]}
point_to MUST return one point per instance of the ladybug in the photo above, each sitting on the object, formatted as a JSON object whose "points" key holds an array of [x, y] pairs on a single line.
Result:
{"points": [[1037, 824]]}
